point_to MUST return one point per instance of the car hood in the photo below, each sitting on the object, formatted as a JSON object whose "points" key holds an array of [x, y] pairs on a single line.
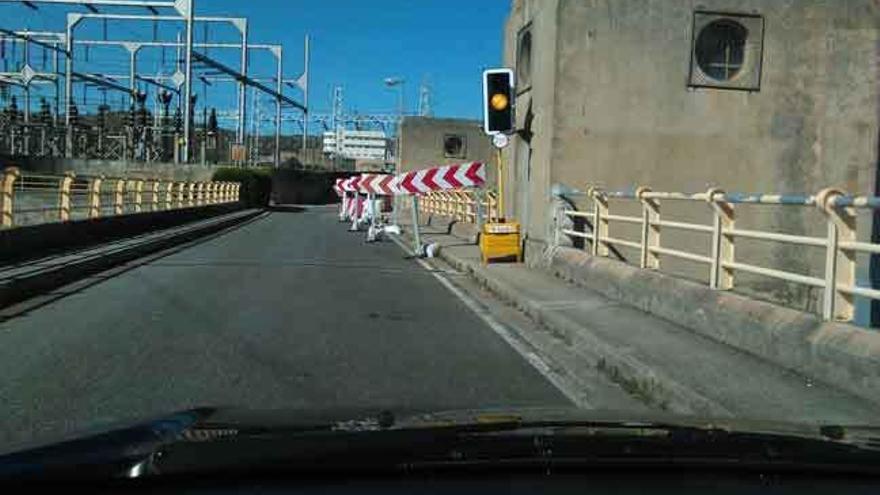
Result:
{"points": [[216, 437]]}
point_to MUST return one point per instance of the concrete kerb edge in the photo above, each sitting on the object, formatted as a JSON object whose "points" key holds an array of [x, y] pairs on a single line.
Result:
{"points": [[640, 380], [837, 354]]}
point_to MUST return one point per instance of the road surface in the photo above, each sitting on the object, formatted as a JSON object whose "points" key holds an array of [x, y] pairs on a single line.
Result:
{"points": [[289, 311]]}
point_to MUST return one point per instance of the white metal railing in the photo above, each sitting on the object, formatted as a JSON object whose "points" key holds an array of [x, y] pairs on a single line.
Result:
{"points": [[463, 205], [840, 245], [30, 199]]}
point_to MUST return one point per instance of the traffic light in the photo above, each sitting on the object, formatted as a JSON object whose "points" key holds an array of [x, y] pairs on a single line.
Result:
{"points": [[498, 99]]}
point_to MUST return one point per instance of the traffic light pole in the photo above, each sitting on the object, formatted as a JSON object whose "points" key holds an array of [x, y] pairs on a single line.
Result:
{"points": [[500, 162]]}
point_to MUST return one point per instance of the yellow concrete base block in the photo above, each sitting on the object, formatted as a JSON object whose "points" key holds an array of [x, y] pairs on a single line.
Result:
{"points": [[501, 242]]}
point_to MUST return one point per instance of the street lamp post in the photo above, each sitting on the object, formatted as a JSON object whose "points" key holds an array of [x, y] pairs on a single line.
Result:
{"points": [[398, 82]]}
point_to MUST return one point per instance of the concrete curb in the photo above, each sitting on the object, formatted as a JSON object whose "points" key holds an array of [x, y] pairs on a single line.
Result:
{"points": [[840, 355], [40, 281], [643, 381]]}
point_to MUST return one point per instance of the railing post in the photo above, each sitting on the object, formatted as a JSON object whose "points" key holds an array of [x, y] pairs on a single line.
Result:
{"points": [[138, 195], [237, 191], [94, 198], [480, 213], [7, 196], [190, 194], [200, 194], [462, 207], [720, 276], [600, 223], [558, 213], [840, 265], [64, 196], [224, 192], [119, 197], [650, 230], [154, 195], [181, 194], [169, 196]]}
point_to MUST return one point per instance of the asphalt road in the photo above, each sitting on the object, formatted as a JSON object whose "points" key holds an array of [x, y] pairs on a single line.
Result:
{"points": [[287, 312]]}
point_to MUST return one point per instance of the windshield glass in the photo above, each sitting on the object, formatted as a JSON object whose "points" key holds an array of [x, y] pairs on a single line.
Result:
{"points": [[336, 209]]}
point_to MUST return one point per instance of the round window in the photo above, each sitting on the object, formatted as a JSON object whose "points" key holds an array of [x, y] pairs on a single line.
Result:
{"points": [[720, 49], [453, 146]]}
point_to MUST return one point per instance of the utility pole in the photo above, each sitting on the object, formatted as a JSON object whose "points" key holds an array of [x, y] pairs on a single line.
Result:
{"points": [[187, 6], [279, 53], [304, 84]]}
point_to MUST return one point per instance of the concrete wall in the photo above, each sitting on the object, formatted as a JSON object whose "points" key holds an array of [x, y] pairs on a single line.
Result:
{"points": [[611, 107], [108, 168], [528, 158], [421, 141]]}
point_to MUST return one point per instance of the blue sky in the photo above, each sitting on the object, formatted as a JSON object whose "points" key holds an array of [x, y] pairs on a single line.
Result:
{"points": [[355, 43]]}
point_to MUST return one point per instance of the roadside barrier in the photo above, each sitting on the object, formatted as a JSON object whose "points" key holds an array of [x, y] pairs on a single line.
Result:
{"points": [[32, 199], [360, 195], [838, 285]]}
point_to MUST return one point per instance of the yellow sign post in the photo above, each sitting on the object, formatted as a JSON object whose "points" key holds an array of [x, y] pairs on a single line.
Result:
{"points": [[500, 239]]}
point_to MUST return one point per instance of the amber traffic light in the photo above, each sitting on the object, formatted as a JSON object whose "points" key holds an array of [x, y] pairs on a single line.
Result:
{"points": [[498, 97]]}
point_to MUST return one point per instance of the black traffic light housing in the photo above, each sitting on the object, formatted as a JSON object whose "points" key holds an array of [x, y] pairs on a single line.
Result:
{"points": [[498, 101]]}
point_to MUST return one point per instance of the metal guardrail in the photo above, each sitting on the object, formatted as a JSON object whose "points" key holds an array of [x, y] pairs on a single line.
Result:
{"points": [[31, 199], [464, 206], [840, 245]]}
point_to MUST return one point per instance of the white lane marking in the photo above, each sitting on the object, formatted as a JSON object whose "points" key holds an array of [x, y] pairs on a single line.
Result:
{"points": [[501, 330]]}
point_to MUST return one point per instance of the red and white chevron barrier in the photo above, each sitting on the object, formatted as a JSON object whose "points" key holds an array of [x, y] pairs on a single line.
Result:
{"points": [[448, 178], [380, 184]]}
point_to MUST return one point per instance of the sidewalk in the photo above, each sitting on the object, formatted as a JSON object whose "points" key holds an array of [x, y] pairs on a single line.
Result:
{"points": [[663, 364]]}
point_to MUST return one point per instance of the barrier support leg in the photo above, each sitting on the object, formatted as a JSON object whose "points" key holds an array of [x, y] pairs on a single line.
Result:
{"points": [[417, 238]]}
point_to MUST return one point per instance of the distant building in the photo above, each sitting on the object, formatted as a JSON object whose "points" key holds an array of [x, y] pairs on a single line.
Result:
{"points": [[356, 145], [745, 95]]}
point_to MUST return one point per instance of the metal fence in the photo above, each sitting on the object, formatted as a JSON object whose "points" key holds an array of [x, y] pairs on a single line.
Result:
{"points": [[463, 206], [31, 199], [718, 251]]}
